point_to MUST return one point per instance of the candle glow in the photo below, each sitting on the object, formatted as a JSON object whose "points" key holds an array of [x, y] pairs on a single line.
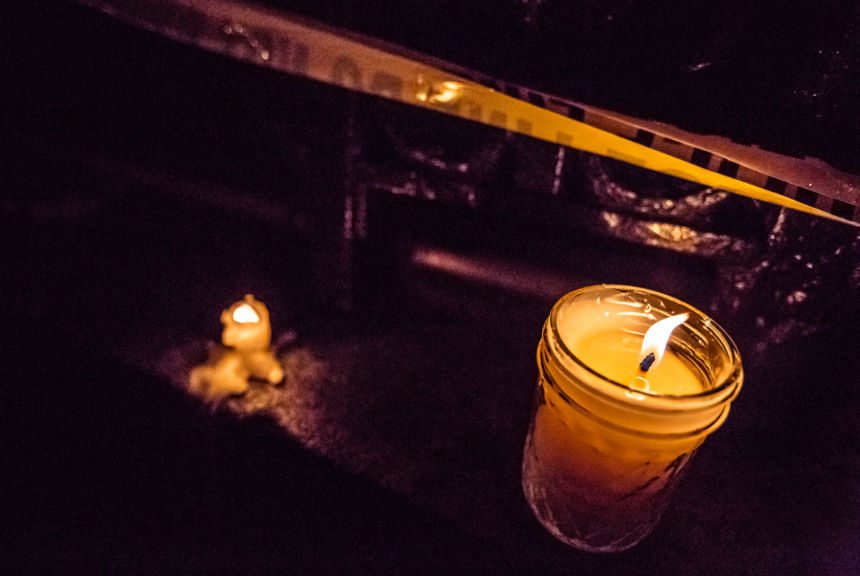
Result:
{"points": [[436, 92], [245, 314]]}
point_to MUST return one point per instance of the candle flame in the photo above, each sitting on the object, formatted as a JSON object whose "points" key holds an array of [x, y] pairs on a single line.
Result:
{"points": [[657, 337], [245, 314]]}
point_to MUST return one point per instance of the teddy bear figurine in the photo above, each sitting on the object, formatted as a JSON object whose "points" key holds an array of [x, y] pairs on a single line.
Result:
{"points": [[247, 337]]}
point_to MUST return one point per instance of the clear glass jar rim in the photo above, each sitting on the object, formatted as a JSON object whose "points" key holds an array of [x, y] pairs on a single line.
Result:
{"points": [[703, 429], [726, 343]]}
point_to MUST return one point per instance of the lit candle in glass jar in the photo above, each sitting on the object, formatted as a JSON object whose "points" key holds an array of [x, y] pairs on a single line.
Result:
{"points": [[613, 428]]}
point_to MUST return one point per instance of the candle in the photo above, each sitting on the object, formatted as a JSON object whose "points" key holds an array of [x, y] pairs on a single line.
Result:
{"points": [[247, 334], [631, 383], [619, 354]]}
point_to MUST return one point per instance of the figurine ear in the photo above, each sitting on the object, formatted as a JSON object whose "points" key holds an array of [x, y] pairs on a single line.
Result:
{"points": [[225, 316]]}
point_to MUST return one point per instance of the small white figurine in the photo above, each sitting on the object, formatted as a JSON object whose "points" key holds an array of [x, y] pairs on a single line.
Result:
{"points": [[247, 335]]}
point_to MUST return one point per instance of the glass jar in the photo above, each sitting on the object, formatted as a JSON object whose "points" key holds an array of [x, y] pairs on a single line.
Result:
{"points": [[603, 456]]}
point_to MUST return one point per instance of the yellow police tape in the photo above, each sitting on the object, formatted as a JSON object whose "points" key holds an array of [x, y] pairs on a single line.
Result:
{"points": [[311, 50]]}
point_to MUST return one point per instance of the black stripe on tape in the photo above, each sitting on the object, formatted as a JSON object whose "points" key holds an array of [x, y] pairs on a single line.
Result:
{"points": [[806, 196], [576, 113], [728, 168], [490, 83], [700, 157], [644, 137], [565, 109], [564, 139], [536, 99], [524, 126], [842, 209], [511, 90], [775, 185], [498, 119]]}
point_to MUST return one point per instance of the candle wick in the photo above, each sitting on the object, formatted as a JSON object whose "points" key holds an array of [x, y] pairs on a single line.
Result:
{"points": [[647, 362]]}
